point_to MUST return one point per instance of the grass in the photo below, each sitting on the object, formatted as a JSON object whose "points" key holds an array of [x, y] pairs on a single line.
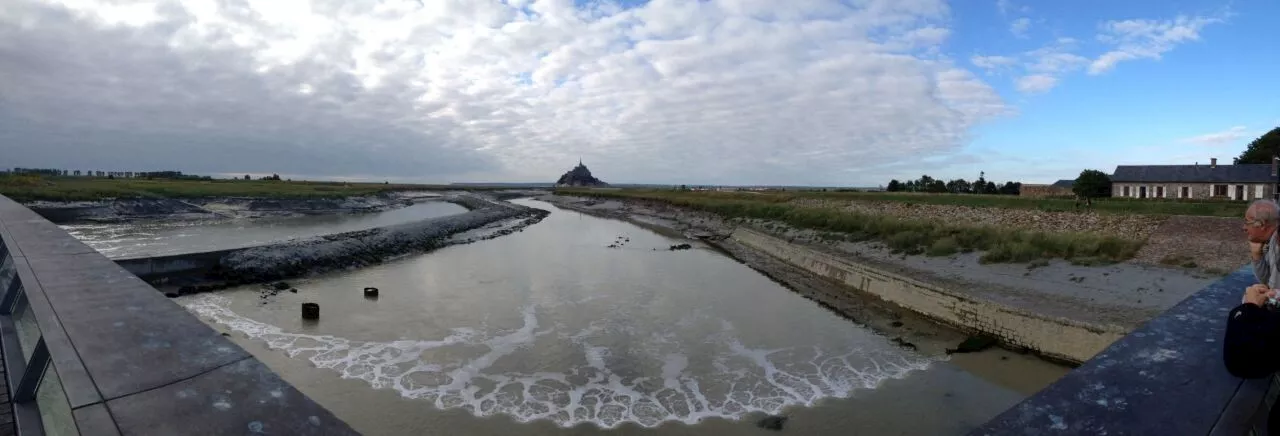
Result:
{"points": [[1198, 207], [28, 188], [1001, 245]]}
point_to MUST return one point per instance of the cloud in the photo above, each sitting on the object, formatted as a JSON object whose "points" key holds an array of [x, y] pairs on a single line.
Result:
{"points": [[1146, 39], [1019, 27], [1007, 6], [1228, 136], [992, 63], [708, 92], [1044, 66], [1036, 83]]}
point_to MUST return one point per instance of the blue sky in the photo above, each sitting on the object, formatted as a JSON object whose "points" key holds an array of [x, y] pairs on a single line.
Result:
{"points": [[1143, 111], [799, 92]]}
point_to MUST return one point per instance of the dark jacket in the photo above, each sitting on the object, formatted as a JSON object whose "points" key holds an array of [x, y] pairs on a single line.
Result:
{"points": [[1252, 348]]}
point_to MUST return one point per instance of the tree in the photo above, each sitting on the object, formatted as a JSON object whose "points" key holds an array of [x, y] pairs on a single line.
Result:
{"points": [[1092, 184], [246, 177], [1262, 149], [990, 188], [959, 186], [980, 185], [894, 186], [937, 186], [1011, 188]]}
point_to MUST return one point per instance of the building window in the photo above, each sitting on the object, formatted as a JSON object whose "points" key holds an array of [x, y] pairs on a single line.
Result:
{"points": [[1142, 192], [1219, 190], [1126, 191], [1186, 192], [1159, 192]]}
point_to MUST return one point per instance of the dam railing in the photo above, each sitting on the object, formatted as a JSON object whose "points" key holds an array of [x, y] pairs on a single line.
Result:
{"points": [[89, 348], [1166, 377]]}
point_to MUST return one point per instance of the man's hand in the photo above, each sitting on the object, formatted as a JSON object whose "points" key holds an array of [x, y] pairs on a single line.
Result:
{"points": [[1255, 250], [1257, 294]]}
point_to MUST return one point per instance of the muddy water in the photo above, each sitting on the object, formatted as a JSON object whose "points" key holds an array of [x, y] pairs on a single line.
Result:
{"points": [[164, 238], [550, 331]]}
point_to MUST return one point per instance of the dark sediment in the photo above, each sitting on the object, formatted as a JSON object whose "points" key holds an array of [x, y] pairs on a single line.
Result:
{"points": [[369, 247]]}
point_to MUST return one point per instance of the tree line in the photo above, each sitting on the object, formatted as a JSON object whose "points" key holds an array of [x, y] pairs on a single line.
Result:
{"points": [[955, 186]]}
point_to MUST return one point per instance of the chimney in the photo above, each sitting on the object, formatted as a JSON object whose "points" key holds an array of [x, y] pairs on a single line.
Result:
{"points": [[1213, 162]]}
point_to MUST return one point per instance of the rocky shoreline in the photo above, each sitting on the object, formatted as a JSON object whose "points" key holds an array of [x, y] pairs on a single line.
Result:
{"points": [[488, 218]]}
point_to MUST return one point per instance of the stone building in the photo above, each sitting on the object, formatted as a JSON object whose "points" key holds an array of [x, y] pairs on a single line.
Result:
{"points": [[1212, 181], [1061, 188]]}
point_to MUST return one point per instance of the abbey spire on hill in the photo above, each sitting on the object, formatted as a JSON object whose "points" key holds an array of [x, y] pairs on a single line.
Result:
{"points": [[579, 176]]}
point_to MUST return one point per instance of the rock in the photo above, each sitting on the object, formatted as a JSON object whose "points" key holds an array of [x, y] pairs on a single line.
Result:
{"points": [[310, 311], [896, 324], [226, 334], [293, 290], [904, 344], [974, 344], [280, 286], [186, 290], [772, 422], [171, 294], [371, 292], [680, 247]]}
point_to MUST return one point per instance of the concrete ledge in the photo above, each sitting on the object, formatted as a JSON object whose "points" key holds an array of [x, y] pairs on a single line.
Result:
{"points": [[1167, 377], [128, 360], [174, 264], [1059, 338]]}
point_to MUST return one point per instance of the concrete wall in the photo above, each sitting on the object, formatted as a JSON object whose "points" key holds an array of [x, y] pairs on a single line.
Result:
{"points": [[1058, 338], [174, 265]]}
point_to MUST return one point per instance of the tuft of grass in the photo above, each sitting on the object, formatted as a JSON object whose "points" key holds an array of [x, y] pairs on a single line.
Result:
{"points": [[1179, 260], [944, 247], [909, 236]]}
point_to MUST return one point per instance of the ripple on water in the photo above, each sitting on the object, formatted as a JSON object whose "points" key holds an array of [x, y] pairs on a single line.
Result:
{"points": [[744, 379]]}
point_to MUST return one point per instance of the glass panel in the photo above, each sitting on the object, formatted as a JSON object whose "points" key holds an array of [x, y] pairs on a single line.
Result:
{"points": [[7, 272], [55, 413], [28, 332]]}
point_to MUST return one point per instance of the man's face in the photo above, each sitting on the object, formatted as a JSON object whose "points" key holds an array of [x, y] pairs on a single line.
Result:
{"points": [[1255, 230]]}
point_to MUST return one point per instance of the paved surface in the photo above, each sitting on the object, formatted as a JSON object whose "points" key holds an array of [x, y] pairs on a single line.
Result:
{"points": [[1167, 377], [131, 361]]}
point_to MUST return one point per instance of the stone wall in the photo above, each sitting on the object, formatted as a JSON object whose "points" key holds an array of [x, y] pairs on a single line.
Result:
{"points": [[1043, 191], [1058, 338]]}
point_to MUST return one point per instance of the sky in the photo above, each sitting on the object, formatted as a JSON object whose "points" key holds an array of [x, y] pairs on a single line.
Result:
{"points": [[738, 92]]}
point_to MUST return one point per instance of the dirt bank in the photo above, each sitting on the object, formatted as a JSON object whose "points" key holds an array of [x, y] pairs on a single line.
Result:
{"points": [[1125, 294], [171, 209]]}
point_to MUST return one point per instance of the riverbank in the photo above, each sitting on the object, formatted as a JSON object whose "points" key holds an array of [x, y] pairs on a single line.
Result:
{"points": [[125, 210], [1121, 295], [210, 271]]}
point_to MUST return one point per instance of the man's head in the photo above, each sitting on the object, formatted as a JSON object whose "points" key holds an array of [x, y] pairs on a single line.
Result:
{"points": [[1261, 220]]}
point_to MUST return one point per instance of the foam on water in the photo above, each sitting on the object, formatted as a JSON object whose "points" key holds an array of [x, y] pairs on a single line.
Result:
{"points": [[739, 379]]}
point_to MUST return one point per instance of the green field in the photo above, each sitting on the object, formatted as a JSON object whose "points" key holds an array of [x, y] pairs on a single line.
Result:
{"points": [[1106, 205], [902, 235], [28, 188]]}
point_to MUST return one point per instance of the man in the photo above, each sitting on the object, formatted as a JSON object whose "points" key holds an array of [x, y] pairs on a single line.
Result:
{"points": [[1252, 345], [1260, 223]]}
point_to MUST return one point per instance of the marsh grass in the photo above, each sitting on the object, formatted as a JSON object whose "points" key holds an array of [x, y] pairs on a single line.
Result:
{"points": [[907, 236]]}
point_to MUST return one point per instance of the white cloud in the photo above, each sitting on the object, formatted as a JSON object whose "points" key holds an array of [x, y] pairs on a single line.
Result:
{"points": [[992, 63], [1228, 136], [1007, 6], [704, 92], [1036, 83], [1146, 39], [1019, 27]]}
